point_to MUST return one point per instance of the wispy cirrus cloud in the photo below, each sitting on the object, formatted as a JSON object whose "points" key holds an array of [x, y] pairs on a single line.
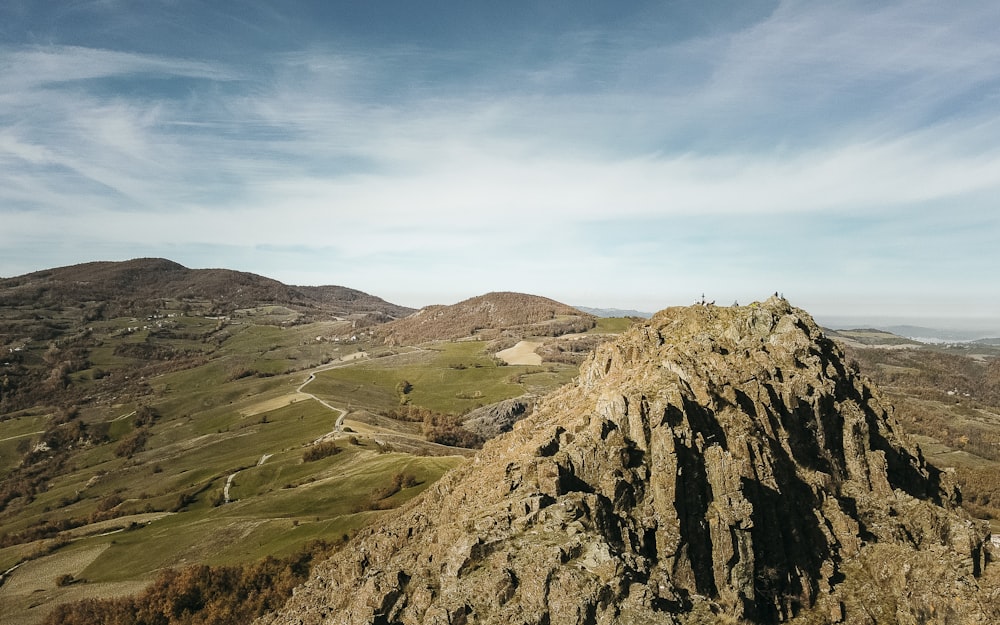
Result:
{"points": [[31, 67], [566, 148]]}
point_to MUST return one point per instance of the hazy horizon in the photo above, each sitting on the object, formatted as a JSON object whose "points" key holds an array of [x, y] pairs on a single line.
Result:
{"points": [[988, 326]]}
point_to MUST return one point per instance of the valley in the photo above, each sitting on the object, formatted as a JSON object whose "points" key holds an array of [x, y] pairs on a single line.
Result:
{"points": [[202, 433], [149, 429]]}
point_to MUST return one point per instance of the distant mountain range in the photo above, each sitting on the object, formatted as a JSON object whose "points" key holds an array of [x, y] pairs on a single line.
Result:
{"points": [[614, 312], [925, 330], [137, 287], [933, 335]]}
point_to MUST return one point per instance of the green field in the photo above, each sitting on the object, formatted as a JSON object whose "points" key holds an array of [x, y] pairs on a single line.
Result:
{"points": [[225, 400], [450, 377]]}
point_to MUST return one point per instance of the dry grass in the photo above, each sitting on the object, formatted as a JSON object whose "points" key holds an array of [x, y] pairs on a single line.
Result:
{"points": [[41, 574], [521, 354], [273, 404]]}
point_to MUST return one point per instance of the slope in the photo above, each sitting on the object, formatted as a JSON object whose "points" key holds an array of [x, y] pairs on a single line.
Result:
{"points": [[715, 463], [486, 317], [136, 287]]}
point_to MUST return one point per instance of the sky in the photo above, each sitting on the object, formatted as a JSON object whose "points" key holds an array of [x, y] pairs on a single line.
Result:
{"points": [[629, 155]]}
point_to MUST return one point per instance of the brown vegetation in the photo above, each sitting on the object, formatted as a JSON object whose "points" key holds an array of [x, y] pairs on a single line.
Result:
{"points": [[320, 451], [132, 444], [486, 316], [136, 288], [379, 498], [940, 395], [48, 457], [446, 429], [572, 352], [399, 482], [199, 595]]}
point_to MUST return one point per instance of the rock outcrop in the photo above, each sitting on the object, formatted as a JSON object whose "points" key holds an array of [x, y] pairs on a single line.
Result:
{"points": [[712, 465], [493, 420]]}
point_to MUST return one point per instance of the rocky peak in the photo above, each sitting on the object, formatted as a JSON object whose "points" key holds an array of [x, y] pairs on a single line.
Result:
{"points": [[712, 463]]}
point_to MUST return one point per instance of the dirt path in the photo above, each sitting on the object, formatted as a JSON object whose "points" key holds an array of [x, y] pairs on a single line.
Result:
{"points": [[277, 402], [338, 425], [10, 438], [225, 491]]}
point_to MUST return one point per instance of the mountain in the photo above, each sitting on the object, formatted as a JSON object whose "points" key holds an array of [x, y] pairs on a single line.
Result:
{"points": [[138, 287], [97, 329], [711, 465], [486, 316]]}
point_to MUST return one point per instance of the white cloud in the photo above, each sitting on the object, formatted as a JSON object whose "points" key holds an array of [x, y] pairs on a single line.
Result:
{"points": [[816, 110], [49, 66]]}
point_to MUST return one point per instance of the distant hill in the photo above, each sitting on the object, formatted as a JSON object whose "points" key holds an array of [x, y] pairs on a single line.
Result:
{"points": [[870, 336], [614, 312], [137, 287], [933, 335], [486, 316]]}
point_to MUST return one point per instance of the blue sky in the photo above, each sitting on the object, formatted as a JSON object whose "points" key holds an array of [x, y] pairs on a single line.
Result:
{"points": [[632, 155]]}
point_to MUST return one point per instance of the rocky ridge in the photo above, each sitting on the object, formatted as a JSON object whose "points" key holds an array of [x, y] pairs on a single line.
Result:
{"points": [[493, 420], [712, 465]]}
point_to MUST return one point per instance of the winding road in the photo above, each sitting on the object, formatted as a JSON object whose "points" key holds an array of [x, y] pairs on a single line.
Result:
{"points": [[338, 425]]}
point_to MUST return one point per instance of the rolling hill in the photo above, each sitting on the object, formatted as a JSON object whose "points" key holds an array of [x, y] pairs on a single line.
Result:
{"points": [[486, 317], [155, 417], [137, 287]]}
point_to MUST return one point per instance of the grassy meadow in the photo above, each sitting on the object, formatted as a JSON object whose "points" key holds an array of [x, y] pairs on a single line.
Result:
{"points": [[448, 377], [176, 406]]}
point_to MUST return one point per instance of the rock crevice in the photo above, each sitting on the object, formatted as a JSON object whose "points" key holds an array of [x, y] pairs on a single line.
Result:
{"points": [[713, 462]]}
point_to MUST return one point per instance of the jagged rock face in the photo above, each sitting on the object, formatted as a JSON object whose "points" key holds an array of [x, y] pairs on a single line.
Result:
{"points": [[713, 463], [493, 420]]}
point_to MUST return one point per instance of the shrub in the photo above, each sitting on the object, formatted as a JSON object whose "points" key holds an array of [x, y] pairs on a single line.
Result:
{"points": [[108, 503], [144, 416], [132, 444], [447, 430], [183, 501], [320, 451]]}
